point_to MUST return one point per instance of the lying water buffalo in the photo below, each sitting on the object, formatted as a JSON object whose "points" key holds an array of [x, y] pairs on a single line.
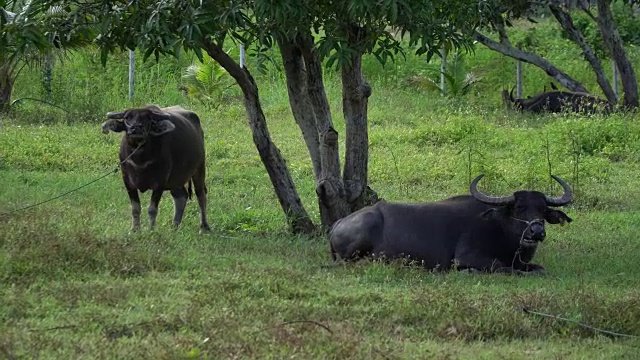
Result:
{"points": [[162, 149], [558, 101], [476, 232]]}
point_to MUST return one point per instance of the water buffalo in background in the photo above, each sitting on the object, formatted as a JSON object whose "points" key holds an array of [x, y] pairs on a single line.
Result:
{"points": [[475, 232], [162, 149], [558, 101]]}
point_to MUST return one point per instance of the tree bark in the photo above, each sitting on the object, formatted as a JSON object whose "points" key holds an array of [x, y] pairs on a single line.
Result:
{"points": [[310, 108], [269, 154], [355, 99], [295, 70], [505, 47], [613, 42], [330, 188], [565, 20]]}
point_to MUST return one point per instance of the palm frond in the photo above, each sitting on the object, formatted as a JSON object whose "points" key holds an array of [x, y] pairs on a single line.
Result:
{"points": [[457, 82], [206, 81]]}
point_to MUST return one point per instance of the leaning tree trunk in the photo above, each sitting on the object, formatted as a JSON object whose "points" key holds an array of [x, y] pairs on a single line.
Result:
{"points": [[355, 99], [269, 154], [310, 108], [565, 20], [505, 47], [613, 42]]}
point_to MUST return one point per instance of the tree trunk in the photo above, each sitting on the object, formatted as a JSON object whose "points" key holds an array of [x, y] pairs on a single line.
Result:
{"points": [[330, 188], [6, 88], [613, 42], [355, 98], [505, 47], [294, 69], [269, 154], [309, 103], [565, 20]]}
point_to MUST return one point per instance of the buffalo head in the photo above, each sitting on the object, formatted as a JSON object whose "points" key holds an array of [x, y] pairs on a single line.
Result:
{"points": [[139, 123], [525, 212], [511, 102]]}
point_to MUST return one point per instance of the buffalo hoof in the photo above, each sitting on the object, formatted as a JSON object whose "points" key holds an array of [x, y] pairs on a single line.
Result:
{"points": [[205, 229]]}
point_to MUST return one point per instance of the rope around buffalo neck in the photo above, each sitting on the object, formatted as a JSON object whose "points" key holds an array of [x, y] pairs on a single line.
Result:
{"points": [[114, 171]]}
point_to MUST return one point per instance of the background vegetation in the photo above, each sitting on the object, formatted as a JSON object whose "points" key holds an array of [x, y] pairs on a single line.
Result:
{"points": [[76, 284]]}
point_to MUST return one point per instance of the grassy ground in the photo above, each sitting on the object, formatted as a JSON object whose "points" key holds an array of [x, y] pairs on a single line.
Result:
{"points": [[75, 284]]}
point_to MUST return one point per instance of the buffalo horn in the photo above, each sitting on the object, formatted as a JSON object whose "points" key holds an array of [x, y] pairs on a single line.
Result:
{"points": [[490, 200], [566, 197], [115, 115]]}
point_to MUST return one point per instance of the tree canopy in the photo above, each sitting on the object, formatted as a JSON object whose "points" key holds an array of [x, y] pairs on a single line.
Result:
{"points": [[309, 35], [29, 29]]}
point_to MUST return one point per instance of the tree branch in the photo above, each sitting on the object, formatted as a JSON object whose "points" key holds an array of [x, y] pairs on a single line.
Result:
{"points": [[584, 6], [613, 42], [565, 20], [507, 49], [504, 38]]}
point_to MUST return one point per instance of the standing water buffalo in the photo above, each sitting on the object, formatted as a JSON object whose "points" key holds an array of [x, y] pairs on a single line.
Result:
{"points": [[477, 232], [162, 149], [558, 101]]}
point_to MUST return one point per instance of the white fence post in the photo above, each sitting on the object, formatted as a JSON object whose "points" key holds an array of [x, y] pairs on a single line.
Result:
{"points": [[132, 69], [242, 56], [518, 79], [614, 71], [443, 69]]}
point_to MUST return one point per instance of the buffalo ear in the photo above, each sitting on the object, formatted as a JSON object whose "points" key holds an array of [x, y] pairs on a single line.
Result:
{"points": [[557, 217], [161, 127], [113, 125]]}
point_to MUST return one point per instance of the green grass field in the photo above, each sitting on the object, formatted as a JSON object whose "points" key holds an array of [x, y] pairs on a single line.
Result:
{"points": [[75, 283]]}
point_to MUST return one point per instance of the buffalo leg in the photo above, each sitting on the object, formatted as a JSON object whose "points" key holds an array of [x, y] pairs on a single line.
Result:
{"points": [[473, 260], [468, 257], [156, 195], [523, 269], [179, 201], [201, 193], [486, 264], [135, 209], [135, 205]]}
